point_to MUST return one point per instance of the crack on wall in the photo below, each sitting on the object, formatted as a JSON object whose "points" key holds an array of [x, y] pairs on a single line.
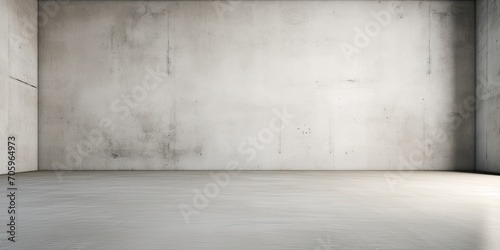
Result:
{"points": [[21, 81]]}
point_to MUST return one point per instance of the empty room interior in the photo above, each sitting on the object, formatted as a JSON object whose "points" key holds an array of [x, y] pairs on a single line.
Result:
{"points": [[321, 124]]}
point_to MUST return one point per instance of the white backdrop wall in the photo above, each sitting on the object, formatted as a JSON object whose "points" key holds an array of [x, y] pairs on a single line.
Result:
{"points": [[366, 85]]}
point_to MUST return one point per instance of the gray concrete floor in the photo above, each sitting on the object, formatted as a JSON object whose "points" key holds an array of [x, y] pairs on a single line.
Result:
{"points": [[255, 210]]}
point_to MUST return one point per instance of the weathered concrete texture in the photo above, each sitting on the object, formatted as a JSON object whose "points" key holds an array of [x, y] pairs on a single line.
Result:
{"points": [[488, 86], [187, 85], [18, 81], [23, 41], [337, 210], [21, 119]]}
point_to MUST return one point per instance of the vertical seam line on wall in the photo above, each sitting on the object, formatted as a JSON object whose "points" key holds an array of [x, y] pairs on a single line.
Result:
{"points": [[476, 22], [37, 84], [487, 18], [429, 70], [428, 66]]}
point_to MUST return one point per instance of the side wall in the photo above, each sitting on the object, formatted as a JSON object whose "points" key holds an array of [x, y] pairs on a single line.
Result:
{"points": [[369, 85], [18, 82], [488, 86]]}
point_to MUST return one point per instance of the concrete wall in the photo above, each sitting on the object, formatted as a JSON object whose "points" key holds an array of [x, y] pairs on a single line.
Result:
{"points": [[488, 85], [197, 84], [18, 82]]}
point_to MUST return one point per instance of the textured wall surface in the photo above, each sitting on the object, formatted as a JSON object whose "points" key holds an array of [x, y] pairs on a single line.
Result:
{"points": [[488, 85], [200, 85], [18, 82]]}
